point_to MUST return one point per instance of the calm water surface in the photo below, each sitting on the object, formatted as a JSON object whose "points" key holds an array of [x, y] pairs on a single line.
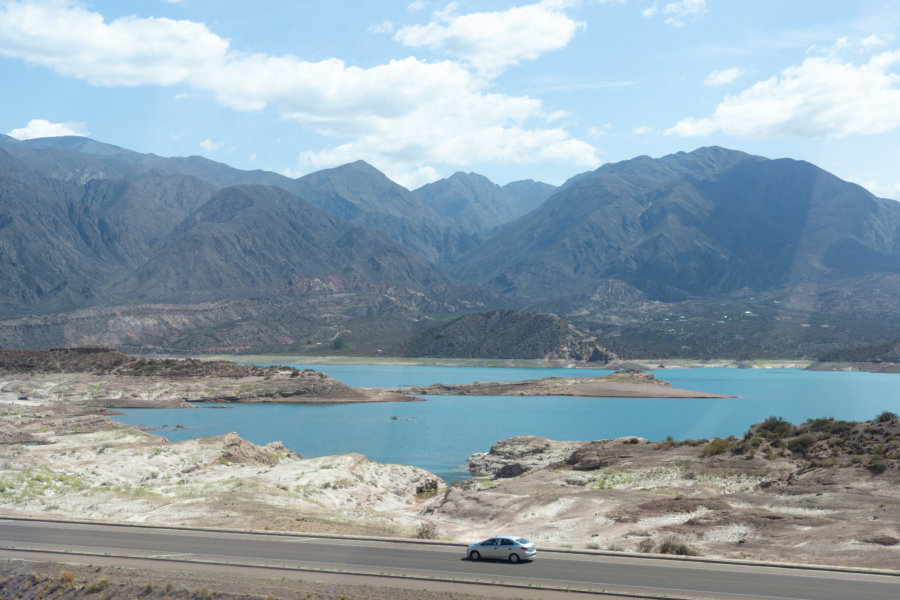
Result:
{"points": [[440, 434]]}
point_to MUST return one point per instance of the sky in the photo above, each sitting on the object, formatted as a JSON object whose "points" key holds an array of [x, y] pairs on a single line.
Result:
{"points": [[421, 89]]}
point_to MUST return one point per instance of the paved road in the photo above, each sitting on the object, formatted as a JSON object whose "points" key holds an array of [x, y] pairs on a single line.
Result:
{"points": [[632, 574]]}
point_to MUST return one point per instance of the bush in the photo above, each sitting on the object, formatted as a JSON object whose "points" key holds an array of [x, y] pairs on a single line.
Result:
{"points": [[801, 444], [339, 344], [673, 546], [820, 424], [774, 428], [886, 417], [427, 531], [876, 465], [717, 446], [101, 585]]}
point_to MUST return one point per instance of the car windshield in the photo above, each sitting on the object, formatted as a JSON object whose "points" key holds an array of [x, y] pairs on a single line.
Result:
{"points": [[523, 541]]}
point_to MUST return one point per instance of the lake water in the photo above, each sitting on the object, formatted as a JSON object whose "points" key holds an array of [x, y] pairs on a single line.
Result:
{"points": [[440, 434]]}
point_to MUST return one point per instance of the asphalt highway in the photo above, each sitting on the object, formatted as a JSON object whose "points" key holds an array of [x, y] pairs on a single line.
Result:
{"points": [[560, 570]]}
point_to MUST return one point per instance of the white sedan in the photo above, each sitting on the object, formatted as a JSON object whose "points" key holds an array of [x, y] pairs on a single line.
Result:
{"points": [[503, 547]]}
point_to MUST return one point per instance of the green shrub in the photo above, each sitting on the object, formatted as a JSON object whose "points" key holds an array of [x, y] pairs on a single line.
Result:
{"points": [[774, 428], [820, 424], [717, 446], [801, 444], [876, 465], [886, 417]]}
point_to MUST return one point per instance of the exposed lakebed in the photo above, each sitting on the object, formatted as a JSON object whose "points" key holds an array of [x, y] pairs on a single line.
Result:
{"points": [[440, 434]]}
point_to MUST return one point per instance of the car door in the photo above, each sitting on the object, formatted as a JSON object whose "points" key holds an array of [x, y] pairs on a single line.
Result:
{"points": [[490, 548], [504, 548]]}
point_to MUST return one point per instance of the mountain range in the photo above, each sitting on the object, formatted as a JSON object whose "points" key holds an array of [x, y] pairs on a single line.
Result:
{"points": [[706, 252]]}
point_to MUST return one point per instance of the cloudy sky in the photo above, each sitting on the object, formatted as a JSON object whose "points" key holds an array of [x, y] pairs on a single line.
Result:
{"points": [[421, 89]]}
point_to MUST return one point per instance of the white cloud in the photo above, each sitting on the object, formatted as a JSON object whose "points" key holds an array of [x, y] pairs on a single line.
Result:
{"points": [[39, 128], [643, 130], [492, 41], [598, 132], [679, 12], [873, 41], [385, 26], [724, 77], [403, 114], [415, 6], [822, 97], [210, 145]]}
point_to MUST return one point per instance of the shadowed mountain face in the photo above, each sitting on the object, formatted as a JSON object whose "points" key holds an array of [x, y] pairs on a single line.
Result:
{"points": [[92, 227], [84, 223], [361, 194], [250, 240], [706, 223], [478, 205], [356, 192]]}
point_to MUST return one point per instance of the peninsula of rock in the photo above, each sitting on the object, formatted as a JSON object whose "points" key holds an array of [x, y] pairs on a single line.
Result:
{"points": [[621, 384]]}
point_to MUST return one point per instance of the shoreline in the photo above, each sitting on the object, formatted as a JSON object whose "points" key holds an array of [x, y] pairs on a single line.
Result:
{"points": [[621, 384], [536, 363]]}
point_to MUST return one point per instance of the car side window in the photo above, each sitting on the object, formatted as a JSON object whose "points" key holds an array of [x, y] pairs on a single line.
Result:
{"points": [[505, 542], [491, 542]]}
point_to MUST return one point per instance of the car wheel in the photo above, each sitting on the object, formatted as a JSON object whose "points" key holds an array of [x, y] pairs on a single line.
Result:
{"points": [[513, 558], [474, 555]]}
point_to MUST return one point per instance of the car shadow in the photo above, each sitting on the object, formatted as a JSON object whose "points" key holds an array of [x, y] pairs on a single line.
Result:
{"points": [[524, 561]]}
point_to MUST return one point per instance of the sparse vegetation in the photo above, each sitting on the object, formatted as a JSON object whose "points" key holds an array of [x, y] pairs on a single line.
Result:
{"points": [[886, 417], [801, 444], [427, 531], [679, 547], [717, 446]]}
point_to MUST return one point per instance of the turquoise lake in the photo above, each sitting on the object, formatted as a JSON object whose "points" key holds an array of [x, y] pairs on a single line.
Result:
{"points": [[440, 434]]}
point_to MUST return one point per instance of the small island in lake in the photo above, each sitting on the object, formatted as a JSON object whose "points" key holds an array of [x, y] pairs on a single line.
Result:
{"points": [[621, 384]]}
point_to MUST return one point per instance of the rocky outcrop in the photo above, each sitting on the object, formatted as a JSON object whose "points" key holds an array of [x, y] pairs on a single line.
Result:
{"points": [[238, 450], [512, 457], [599, 454], [509, 334]]}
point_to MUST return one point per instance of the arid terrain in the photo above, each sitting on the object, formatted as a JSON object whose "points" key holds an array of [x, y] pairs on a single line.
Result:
{"points": [[823, 492]]}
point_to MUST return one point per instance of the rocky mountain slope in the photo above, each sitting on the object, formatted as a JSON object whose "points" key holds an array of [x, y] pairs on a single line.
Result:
{"points": [[477, 204], [363, 195], [508, 334], [707, 223], [191, 255]]}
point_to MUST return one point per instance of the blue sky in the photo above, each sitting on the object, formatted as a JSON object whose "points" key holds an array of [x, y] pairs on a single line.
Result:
{"points": [[421, 89]]}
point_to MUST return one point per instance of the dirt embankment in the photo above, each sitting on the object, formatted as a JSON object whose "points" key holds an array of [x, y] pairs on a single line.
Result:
{"points": [[825, 492], [622, 384]]}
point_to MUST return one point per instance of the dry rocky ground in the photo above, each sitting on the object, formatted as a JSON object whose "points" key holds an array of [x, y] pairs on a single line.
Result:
{"points": [[825, 492]]}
